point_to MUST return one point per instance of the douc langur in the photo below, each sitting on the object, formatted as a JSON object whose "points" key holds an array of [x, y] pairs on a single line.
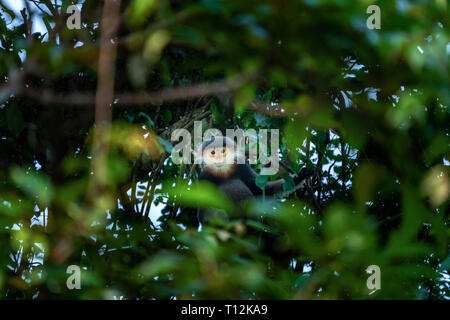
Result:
{"points": [[236, 179]]}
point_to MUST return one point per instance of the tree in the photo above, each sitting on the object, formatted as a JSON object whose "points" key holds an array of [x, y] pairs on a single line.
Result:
{"points": [[86, 173]]}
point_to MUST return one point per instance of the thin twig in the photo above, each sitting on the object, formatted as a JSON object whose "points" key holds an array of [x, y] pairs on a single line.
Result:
{"points": [[152, 181]]}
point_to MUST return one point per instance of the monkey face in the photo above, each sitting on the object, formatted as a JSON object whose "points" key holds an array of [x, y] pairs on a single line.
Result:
{"points": [[218, 156]]}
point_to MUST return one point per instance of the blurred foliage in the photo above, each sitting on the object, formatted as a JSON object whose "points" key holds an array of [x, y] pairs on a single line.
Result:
{"points": [[367, 109]]}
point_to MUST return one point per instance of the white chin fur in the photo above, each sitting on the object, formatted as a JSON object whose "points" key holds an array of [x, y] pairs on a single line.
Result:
{"points": [[224, 166], [219, 167]]}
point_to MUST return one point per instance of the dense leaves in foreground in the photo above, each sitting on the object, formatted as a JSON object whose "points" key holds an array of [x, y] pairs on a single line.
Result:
{"points": [[368, 110]]}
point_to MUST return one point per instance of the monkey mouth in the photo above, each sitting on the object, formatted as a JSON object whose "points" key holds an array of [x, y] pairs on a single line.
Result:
{"points": [[222, 164], [219, 165]]}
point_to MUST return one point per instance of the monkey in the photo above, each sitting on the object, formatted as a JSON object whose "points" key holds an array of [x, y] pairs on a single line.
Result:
{"points": [[236, 179], [226, 168]]}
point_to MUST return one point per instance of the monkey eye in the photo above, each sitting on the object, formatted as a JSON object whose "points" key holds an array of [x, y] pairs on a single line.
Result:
{"points": [[223, 150], [213, 152]]}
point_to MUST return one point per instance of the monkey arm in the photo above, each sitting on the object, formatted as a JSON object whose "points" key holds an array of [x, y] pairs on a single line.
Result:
{"points": [[276, 186], [248, 176], [273, 187]]}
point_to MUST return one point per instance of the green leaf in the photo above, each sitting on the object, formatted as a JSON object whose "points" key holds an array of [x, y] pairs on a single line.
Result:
{"points": [[149, 121], [167, 116], [261, 181], [289, 183], [243, 98], [217, 113], [15, 119], [301, 280], [162, 262], [35, 185], [167, 145], [445, 265], [8, 11], [140, 10], [199, 195]]}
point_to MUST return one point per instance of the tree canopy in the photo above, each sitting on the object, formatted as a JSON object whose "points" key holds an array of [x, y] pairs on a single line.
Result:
{"points": [[87, 176]]}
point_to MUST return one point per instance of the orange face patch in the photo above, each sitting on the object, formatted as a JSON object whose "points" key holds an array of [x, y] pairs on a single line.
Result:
{"points": [[217, 155]]}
